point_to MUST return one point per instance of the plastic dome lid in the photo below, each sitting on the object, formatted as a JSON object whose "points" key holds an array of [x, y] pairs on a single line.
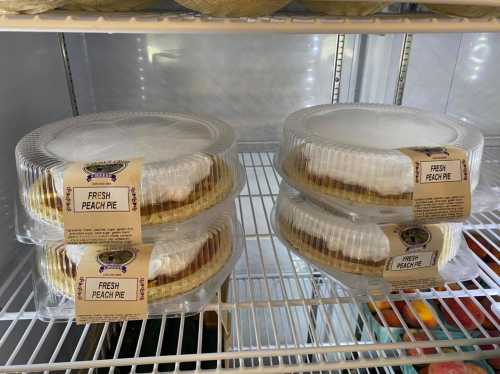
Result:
{"points": [[348, 156], [190, 163]]}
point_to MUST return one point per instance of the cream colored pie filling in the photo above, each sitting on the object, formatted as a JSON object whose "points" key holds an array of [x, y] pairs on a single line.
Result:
{"points": [[341, 239], [162, 180], [357, 149], [167, 258], [179, 178], [170, 260]]}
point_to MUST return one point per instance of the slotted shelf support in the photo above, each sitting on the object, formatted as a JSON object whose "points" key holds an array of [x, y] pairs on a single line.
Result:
{"points": [[157, 22], [284, 315]]}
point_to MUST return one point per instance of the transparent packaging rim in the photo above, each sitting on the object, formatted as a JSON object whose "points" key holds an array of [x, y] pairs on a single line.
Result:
{"points": [[31, 225], [204, 292], [226, 222], [367, 283], [226, 137], [295, 122], [152, 233], [291, 193], [352, 213]]}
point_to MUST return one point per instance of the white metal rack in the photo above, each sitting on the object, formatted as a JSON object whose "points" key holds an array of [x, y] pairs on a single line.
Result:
{"points": [[284, 316]]}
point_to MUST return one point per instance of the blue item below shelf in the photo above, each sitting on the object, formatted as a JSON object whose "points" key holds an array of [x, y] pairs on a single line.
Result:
{"points": [[383, 335]]}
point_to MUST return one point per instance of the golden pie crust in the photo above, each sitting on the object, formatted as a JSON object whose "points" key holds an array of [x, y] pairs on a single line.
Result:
{"points": [[44, 203], [60, 273]]}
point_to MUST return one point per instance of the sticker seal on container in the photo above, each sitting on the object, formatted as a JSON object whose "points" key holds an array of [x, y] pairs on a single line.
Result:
{"points": [[102, 202], [442, 185], [112, 284], [414, 255]]}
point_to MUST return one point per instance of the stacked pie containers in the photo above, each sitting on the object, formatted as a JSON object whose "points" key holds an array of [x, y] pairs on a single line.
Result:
{"points": [[190, 176], [235, 8], [345, 178]]}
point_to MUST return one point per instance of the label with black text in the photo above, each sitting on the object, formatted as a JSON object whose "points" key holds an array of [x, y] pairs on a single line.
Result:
{"points": [[414, 255], [102, 202], [442, 188], [112, 283]]}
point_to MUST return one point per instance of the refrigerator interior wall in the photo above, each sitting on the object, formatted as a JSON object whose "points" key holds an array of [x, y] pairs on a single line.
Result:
{"points": [[457, 74], [254, 81], [33, 91], [251, 81]]}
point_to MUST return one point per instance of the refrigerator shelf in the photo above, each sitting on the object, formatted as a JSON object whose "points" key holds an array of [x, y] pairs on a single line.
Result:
{"points": [[178, 22], [284, 316]]}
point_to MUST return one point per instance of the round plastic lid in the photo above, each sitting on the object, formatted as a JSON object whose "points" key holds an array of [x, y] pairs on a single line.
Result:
{"points": [[190, 163], [351, 252], [348, 156], [381, 128], [156, 137]]}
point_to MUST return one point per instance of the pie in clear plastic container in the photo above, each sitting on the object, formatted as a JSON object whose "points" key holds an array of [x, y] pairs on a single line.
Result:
{"points": [[473, 11], [235, 8], [354, 253], [344, 8], [29, 6], [108, 5], [347, 156], [190, 164], [188, 264]]}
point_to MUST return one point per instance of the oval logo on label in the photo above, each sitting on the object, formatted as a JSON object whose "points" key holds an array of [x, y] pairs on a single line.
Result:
{"points": [[415, 236], [430, 151], [118, 257], [104, 167]]}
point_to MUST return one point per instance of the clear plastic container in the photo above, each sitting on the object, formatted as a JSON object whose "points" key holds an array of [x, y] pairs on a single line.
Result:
{"points": [[235, 8], [108, 5], [188, 264], [29, 6], [473, 11], [347, 157], [344, 8], [354, 253], [190, 164]]}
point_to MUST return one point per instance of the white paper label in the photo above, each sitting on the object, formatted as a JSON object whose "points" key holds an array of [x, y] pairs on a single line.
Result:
{"points": [[102, 202], [111, 289], [412, 261], [440, 171], [101, 199]]}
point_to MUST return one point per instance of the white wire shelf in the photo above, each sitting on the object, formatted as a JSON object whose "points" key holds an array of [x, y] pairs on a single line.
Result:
{"points": [[177, 22], [283, 315]]}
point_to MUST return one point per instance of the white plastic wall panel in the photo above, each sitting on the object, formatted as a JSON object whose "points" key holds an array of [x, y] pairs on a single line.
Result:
{"points": [[475, 92], [251, 81], [33, 92], [457, 74], [431, 69], [377, 68]]}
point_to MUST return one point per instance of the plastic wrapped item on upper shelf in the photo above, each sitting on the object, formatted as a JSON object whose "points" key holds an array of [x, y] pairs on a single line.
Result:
{"points": [[472, 11], [109, 5], [349, 156], [189, 164], [234, 8], [29, 6], [355, 253], [344, 8], [188, 264]]}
